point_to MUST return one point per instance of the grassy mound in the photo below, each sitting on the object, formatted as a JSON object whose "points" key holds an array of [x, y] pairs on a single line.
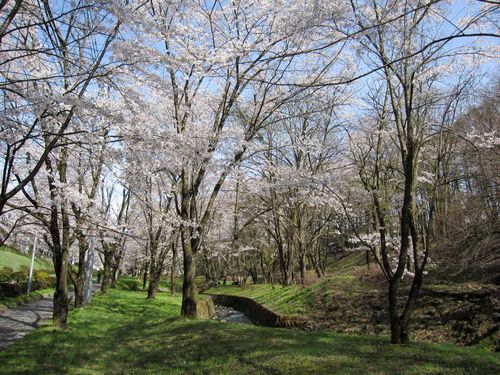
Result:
{"points": [[122, 332]]}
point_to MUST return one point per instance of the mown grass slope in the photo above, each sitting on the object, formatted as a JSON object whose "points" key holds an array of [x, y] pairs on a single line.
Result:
{"points": [[301, 299], [15, 260], [123, 333]]}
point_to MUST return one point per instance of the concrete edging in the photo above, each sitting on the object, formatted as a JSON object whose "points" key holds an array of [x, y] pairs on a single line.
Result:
{"points": [[259, 314]]}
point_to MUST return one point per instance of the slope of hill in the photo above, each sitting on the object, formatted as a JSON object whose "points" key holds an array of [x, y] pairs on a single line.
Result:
{"points": [[14, 259], [352, 299]]}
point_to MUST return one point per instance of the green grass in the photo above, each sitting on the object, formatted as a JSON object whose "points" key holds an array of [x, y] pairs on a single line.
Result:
{"points": [[15, 260], [10, 302], [342, 280], [293, 299], [123, 333]]}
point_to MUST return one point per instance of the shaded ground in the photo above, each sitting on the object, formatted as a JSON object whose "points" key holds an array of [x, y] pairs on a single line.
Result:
{"points": [[16, 323], [123, 333], [462, 314]]}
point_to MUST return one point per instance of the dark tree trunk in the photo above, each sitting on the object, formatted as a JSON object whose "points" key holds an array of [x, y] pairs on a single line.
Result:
{"points": [[106, 273], [253, 274], [60, 315], [115, 270], [60, 258], [393, 312], [314, 262], [154, 282], [302, 265], [79, 286], [173, 268], [59, 243], [79, 278], [189, 291], [145, 275]]}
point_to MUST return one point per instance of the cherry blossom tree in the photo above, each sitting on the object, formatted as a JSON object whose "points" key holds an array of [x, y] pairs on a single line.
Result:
{"points": [[222, 66], [49, 59]]}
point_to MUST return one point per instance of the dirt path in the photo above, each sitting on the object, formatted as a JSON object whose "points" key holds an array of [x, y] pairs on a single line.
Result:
{"points": [[16, 323]]}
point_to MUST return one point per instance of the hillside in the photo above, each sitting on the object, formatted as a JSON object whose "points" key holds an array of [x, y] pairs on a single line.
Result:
{"points": [[14, 259], [352, 299]]}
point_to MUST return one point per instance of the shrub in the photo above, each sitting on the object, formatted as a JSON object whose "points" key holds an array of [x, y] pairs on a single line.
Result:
{"points": [[6, 275], [10, 290], [21, 277], [42, 280], [128, 283]]}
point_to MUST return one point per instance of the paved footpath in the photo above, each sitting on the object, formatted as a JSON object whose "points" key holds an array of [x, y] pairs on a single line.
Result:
{"points": [[15, 323]]}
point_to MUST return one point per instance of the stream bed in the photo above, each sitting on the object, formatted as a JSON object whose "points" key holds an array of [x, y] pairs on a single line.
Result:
{"points": [[229, 315]]}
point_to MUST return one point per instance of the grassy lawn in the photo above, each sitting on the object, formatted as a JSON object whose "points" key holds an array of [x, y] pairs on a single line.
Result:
{"points": [[122, 332], [11, 258]]}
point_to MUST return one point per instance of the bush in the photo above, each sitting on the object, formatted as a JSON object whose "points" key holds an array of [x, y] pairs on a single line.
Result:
{"points": [[6, 275], [43, 280], [10, 290], [21, 277], [128, 283]]}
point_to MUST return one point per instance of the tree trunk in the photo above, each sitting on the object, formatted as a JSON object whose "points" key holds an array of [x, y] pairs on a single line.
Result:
{"points": [[79, 279], [173, 267], [60, 258], [393, 312], [115, 270], [106, 273], [154, 282], [60, 244], [60, 314], [254, 275], [79, 284], [145, 275], [189, 291], [302, 264]]}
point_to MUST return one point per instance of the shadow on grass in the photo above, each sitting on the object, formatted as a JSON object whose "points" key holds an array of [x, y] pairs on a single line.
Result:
{"points": [[124, 333]]}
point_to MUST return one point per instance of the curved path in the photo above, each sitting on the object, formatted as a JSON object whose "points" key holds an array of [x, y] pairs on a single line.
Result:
{"points": [[15, 323]]}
